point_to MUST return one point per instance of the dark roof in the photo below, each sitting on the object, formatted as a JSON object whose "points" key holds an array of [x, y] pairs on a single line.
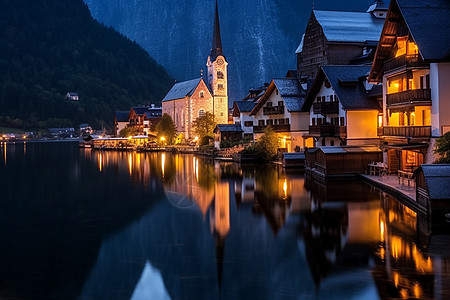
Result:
{"points": [[344, 26], [182, 89], [228, 128], [245, 106], [290, 90], [293, 155], [437, 178], [153, 114], [346, 83], [349, 149], [216, 48], [429, 24], [72, 94]]}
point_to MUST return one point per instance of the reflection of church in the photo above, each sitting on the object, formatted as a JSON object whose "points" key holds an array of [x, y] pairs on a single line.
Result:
{"points": [[188, 100]]}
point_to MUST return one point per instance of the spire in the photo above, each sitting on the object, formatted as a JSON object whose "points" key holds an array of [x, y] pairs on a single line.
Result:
{"points": [[216, 48]]}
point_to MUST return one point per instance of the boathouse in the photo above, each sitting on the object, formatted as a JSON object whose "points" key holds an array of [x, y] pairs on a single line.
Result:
{"points": [[433, 188], [227, 132], [293, 160], [335, 161]]}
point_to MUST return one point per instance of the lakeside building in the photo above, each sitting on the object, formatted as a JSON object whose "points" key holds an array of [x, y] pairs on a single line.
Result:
{"points": [[142, 118], [339, 38], [343, 107], [412, 61], [281, 107], [188, 100]]}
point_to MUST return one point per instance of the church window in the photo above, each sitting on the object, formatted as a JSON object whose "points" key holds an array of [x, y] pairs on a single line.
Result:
{"points": [[202, 94], [220, 86], [219, 75], [201, 113]]}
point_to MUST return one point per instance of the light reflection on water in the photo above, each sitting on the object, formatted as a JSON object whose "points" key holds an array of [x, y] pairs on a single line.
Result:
{"points": [[209, 230]]}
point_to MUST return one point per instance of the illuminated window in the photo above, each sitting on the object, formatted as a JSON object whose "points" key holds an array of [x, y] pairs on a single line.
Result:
{"points": [[401, 46], [201, 113], [412, 48]]}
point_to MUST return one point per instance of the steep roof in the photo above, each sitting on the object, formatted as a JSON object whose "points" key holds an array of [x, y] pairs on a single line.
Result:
{"points": [[346, 83], [216, 48], [343, 26], [437, 178], [290, 90], [122, 116], [245, 106], [429, 24], [182, 89]]}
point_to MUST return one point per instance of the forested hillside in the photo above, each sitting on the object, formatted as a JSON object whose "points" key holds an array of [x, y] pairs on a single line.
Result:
{"points": [[51, 47]]}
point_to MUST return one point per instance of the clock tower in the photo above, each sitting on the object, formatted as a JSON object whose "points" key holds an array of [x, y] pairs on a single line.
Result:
{"points": [[217, 75]]}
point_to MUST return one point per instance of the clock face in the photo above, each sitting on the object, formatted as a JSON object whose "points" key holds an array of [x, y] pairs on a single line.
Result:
{"points": [[220, 61]]}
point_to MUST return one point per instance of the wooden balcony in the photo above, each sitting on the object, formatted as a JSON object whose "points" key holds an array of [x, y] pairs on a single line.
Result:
{"points": [[273, 110], [328, 130], [405, 131], [326, 108], [411, 97], [276, 128], [403, 61]]}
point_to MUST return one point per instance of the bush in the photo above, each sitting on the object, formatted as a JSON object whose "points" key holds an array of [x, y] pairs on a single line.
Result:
{"points": [[443, 149], [266, 148], [205, 140]]}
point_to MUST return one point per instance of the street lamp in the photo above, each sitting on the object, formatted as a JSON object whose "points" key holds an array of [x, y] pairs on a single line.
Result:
{"points": [[163, 139]]}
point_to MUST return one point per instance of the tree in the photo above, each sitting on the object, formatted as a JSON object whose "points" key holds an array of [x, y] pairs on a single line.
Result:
{"points": [[443, 149], [166, 129], [267, 146], [204, 125], [128, 131]]}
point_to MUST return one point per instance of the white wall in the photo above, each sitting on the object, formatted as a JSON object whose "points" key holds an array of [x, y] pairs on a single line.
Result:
{"points": [[440, 96]]}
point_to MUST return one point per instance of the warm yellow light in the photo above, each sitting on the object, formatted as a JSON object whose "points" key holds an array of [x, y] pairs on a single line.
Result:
{"points": [[285, 188], [417, 290], [404, 293], [163, 163], [163, 138], [130, 137], [24, 137], [382, 230], [396, 279], [196, 138]]}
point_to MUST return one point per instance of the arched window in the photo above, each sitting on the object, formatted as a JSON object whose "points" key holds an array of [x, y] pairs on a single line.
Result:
{"points": [[202, 94], [201, 113]]}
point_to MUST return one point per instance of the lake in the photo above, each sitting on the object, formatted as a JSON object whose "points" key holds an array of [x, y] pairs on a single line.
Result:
{"points": [[84, 224]]}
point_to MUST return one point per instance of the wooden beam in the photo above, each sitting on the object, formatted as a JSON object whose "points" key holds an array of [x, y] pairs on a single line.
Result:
{"points": [[386, 45]]}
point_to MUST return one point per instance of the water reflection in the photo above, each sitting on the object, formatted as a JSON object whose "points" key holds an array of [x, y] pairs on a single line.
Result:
{"points": [[171, 226]]}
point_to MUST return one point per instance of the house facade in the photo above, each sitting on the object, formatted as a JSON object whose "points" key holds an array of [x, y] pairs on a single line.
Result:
{"points": [[281, 107], [413, 63], [120, 121], [339, 38], [343, 107], [188, 100], [144, 118]]}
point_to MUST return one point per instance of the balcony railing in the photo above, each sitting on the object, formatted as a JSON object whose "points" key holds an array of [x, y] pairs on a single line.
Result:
{"points": [[412, 60], [273, 110], [405, 131], [326, 108], [409, 97], [328, 130], [276, 128]]}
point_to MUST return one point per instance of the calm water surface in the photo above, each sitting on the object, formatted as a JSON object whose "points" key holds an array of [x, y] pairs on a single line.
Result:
{"points": [[82, 224]]}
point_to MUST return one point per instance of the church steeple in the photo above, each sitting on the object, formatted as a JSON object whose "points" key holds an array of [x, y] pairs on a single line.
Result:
{"points": [[216, 48]]}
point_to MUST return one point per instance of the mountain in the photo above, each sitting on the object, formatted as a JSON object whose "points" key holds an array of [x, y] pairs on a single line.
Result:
{"points": [[259, 37], [52, 47]]}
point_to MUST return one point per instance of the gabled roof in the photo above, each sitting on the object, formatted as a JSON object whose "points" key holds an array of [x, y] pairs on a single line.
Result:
{"points": [[245, 106], [182, 89], [429, 25], [437, 178], [377, 5], [290, 90], [343, 26], [122, 116], [228, 128], [346, 83]]}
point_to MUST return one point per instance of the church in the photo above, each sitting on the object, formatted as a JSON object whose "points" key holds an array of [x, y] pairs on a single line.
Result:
{"points": [[188, 100]]}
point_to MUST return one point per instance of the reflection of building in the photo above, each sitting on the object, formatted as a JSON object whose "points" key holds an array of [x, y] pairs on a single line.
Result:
{"points": [[412, 63]]}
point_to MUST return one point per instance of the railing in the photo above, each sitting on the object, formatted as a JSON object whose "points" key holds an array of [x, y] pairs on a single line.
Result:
{"points": [[273, 110], [328, 130], [403, 61], [405, 131], [325, 108], [411, 96], [276, 128]]}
